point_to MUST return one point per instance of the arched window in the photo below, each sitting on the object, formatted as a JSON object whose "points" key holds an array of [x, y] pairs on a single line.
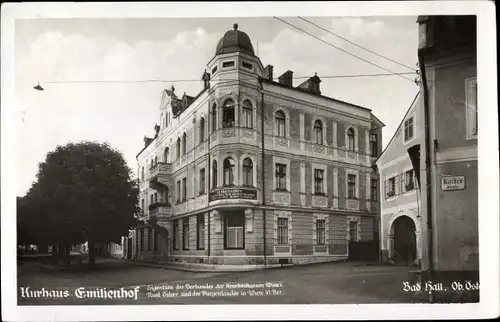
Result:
{"points": [[350, 139], [184, 143], [165, 155], [318, 132], [228, 172], [279, 119], [247, 172], [202, 130], [228, 114], [247, 115], [214, 117], [214, 174], [178, 148]]}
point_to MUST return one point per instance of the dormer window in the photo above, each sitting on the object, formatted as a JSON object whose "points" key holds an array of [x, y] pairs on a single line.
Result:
{"points": [[228, 64]]}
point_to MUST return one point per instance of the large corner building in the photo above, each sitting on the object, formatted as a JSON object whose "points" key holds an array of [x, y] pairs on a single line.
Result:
{"points": [[253, 171]]}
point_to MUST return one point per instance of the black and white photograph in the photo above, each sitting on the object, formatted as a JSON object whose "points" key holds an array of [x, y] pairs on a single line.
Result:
{"points": [[281, 160]]}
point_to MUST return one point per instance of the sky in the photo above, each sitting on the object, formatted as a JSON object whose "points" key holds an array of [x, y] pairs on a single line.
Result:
{"points": [[170, 49]]}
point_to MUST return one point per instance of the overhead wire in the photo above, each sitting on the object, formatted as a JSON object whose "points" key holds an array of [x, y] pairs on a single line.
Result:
{"points": [[341, 49]]}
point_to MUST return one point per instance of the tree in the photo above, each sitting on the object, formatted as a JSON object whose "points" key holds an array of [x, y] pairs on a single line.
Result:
{"points": [[84, 193]]}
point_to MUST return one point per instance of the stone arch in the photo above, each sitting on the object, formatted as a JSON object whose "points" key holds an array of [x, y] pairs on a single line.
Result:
{"points": [[404, 238]]}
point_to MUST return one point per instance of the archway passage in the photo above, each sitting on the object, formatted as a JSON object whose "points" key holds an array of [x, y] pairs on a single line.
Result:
{"points": [[405, 244]]}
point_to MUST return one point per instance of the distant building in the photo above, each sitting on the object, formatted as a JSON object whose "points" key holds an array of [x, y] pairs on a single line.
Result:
{"points": [[215, 191], [447, 53], [401, 208]]}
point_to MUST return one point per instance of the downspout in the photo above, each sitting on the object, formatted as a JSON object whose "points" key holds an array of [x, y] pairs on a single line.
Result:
{"points": [[209, 136], [263, 167], [430, 251]]}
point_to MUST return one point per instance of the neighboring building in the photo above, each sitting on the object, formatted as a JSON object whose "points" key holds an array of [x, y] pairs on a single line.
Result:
{"points": [[447, 54], [215, 191], [401, 215]]}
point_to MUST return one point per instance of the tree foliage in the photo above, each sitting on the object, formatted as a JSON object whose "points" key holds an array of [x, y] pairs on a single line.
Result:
{"points": [[84, 192]]}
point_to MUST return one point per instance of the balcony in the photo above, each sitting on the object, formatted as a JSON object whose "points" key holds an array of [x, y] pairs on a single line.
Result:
{"points": [[160, 175], [160, 210]]}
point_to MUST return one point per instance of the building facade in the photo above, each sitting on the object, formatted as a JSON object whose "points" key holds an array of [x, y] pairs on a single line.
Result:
{"points": [[256, 172], [401, 208], [447, 57]]}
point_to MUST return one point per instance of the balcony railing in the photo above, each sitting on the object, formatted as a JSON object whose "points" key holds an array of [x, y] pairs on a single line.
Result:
{"points": [[160, 210], [160, 175]]}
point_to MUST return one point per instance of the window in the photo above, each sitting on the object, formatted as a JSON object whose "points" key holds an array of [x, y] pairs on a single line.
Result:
{"points": [[318, 132], [156, 197], [227, 64], [202, 181], [152, 199], [246, 65], [318, 182], [374, 189], [214, 70], [320, 232], [351, 186], [142, 205], [214, 117], [280, 176], [235, 236], [214, 174], [279, 119], [353, 231], [247, 172], [373, 145], [178, 191], [228, 114], [202, 130], [409, 181], [247, 119], [178, 148], [184, 189], [142, 173], [176, 234], [184, 140], [150, 238], [471, 108], [229, 172], [185, 233], [200, 231], [166, 196], [350, 140], [156, 160], [282, 230], [152, 164], [165, 155], [408, 135], [390, 187]]}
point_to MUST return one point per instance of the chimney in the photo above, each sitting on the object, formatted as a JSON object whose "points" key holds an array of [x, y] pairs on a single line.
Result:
{"points": [[268, 72], [286, 79]]}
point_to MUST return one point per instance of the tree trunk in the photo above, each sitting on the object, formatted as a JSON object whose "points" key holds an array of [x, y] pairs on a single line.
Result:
{"points": [[91, 245]]}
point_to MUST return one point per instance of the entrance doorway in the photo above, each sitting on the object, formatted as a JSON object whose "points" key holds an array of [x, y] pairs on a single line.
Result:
{"points": [[405, 243]]}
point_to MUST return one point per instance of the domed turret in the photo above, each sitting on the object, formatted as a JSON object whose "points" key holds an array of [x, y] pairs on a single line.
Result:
{"points": [[235, 41]]}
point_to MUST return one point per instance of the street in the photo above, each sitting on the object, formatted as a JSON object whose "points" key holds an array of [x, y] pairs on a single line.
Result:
{"points": [[329, 283]]}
